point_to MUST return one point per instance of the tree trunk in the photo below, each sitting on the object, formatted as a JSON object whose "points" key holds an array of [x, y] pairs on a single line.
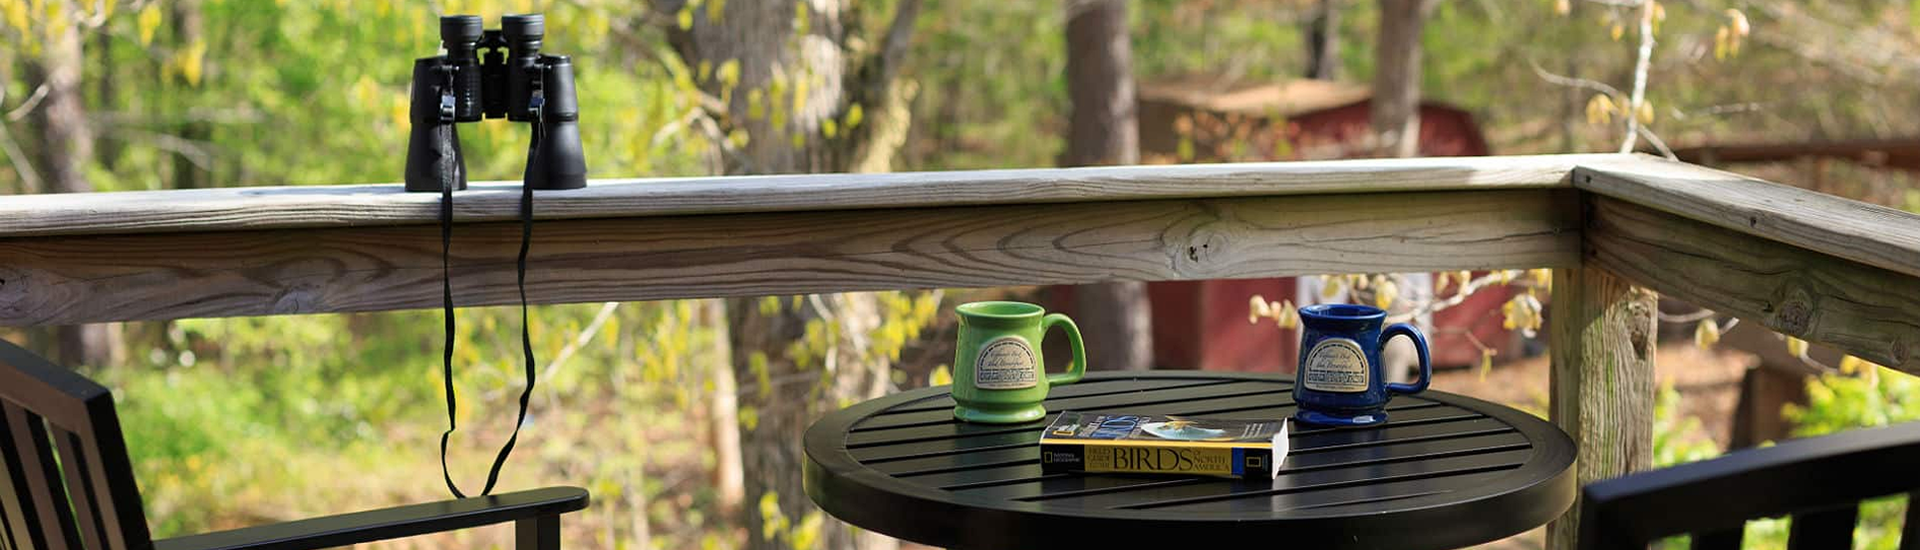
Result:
{"points": [[793, 81], [1396, 78], [106, 152], [724, 414], [189, 27], [1117, 317], [1396, 130], [1323, 41], [66, 145]]}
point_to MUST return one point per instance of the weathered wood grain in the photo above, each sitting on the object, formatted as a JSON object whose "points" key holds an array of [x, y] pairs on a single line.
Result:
{"points": [[365, 205], [1865, 233], [1869, 312], [1602, 379], [73, 279]]}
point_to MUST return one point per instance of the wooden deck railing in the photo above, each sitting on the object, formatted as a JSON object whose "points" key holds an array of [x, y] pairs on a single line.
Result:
{"points": [[1814, 266]]}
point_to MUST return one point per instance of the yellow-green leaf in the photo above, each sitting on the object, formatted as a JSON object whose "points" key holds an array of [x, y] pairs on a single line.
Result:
{"points": [[941, 376], [806, 535], [855, 114], [1706, 333], [146, 23], [1797, 347], [1331, 287], [729, 73], [1256, 308], [1851, 364], [192, 60], [750, 417], [16, 14], [1385, 291]]}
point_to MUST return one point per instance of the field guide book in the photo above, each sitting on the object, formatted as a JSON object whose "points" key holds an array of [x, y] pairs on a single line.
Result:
{"points": [[1118, 442]]}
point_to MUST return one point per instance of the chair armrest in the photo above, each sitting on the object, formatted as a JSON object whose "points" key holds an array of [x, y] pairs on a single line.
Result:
{"points": [[1723, 493], [388, 523]]}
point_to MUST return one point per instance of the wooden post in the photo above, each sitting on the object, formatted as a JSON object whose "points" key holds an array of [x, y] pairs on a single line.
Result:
{"points": [[1602, 381]]}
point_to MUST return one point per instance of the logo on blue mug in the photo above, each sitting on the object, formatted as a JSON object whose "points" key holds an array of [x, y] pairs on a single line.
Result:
{"points": [[1340, 381]]}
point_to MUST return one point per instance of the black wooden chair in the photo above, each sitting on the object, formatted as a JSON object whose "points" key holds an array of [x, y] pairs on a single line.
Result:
{"points": [[1819, 481], [66, 482]]}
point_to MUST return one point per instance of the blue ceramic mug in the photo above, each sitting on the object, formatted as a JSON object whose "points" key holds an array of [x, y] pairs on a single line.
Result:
{"points": [[1340, 382]]}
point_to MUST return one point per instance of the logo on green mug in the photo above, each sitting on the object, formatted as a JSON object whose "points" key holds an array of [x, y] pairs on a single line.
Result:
{"points": [[1006, 363]]}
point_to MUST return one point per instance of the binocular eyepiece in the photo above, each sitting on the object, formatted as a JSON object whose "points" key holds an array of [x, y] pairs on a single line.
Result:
{"points": [[497, 73]]}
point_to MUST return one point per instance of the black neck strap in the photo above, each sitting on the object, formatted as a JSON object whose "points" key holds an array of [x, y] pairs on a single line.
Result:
{"points": [[446, 297]]}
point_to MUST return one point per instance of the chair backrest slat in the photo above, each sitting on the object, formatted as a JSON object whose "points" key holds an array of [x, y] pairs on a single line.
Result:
{"points": [[109, 475], [1829, 528], [29, 446], [65, 461], [15, 512], [73, 462], [6, 538], [1910, 532], [1725, 539]]}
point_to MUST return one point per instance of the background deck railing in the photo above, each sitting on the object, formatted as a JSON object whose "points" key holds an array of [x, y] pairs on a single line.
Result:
{"points": [[1814, 266]]}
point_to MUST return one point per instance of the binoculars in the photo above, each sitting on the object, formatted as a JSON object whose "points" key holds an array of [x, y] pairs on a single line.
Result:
{"points": [[493, 74]]}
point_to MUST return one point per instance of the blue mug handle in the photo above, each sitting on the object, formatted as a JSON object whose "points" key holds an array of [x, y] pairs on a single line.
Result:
{"points": [[1420, 344]]}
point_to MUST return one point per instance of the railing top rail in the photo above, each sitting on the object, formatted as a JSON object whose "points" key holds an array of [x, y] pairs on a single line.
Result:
{"points": [[1869, 234], [222, 209]]}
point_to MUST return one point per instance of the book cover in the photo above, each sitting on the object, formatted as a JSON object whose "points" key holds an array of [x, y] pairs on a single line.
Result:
{"points": [[1117, 442]]}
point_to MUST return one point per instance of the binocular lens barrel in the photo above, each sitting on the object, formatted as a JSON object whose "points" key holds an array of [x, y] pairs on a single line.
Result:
{"points": [[559, 162], [524, 27], [433, 149], [460, 35], [523, 34]]}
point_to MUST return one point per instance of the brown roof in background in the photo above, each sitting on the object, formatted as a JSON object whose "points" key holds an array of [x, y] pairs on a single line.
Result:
{"points": [[1284, 98]]}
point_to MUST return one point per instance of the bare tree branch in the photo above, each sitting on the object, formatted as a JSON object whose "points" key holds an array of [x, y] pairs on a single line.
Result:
{"points": [[1569, 81], [1686, 317], [580, 340], [1658, 144], [1454, 300], [29, 179], [899, 36], [1640, 68], [194, 152], [26, 107]]}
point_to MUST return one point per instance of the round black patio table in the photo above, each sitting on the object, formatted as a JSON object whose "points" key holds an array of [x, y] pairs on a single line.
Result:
{"points": [[1444, 471]]}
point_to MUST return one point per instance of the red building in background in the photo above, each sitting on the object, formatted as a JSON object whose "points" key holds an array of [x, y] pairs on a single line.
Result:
{"points": [[1203, 324]]}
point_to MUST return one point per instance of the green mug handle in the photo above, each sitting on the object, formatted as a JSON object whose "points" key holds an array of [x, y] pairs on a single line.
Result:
{"points": [[1078, 367]]}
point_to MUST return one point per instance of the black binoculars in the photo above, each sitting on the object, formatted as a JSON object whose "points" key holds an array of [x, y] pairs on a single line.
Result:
{"points": [[494, 74]]}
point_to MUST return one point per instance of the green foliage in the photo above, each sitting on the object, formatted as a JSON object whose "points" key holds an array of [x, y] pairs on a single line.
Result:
{"points": [[309, 415], [1838, 402], [1677, 438], [338, 72]]}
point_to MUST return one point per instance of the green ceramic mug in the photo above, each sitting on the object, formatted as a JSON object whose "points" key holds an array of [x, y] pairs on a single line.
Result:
{"points": [[998, 375]]}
